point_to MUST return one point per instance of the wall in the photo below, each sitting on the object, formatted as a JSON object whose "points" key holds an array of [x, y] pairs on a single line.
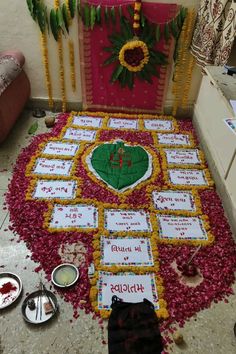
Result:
{"points": [[19, 31]]}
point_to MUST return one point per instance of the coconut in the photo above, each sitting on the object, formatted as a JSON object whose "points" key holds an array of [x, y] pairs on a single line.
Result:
{"points": [[49, 121]]}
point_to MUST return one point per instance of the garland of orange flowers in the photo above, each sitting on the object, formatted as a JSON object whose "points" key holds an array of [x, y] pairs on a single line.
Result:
{"points": [[61, 64], [72, 65], [68, 11], [184, 65], [136, 23], [46, 68]]}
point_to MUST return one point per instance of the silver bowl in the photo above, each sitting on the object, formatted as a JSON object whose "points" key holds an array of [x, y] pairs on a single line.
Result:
{"points": [[64, 267]]}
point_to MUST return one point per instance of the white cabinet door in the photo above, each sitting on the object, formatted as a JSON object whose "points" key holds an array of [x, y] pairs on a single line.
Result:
{"points": [[210, 110]]}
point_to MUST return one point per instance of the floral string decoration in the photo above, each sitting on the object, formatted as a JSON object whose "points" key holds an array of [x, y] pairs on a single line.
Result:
{"points": [[38, 12], [57, 27], [184, 65], [72, 64], [133, 51]]}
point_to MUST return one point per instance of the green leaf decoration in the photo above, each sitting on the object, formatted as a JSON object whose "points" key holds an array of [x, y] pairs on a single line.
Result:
{"points": [[126, 28], [117, 40], [150, 34], [41, 16], [98, 14], [131, 11], [123, 77], [150, 38], [92, 16], [146, 75], [46, 19], [130, 79], [113, 15], [183, 13], [166, 32], [86, 15], [141, 75], [60, 21], [116, 73], [111, 59], [152, 70], [142, 20], [106, 14], [53, 24], [158, 33], [109, 49], [145, 32], [65, 17], [174, 29], [179, 21], [72, 7], [158, 58], [30, 4], [33, 128]]}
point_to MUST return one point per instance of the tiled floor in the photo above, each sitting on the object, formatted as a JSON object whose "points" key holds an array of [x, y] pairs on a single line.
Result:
{"points": [[211, 331]]}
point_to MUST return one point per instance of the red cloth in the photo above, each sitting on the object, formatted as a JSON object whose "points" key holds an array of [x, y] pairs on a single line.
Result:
{"points": [[98, 92]]}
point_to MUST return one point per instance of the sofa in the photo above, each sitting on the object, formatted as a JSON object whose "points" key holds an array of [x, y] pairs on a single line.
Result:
{"points": [[14, 90]]}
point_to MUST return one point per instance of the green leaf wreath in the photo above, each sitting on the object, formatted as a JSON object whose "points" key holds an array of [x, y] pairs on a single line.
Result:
{"points": [[135, 56]]}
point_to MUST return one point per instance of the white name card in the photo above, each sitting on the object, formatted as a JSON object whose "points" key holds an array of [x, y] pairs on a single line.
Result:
{"points": [[157, 124], [126, 251], [173, 201], [117, 123], [59, 148], [55, 189], [85, 121], [129, 288], [53, 167], [79, 216], [173, 139], [80, 134], [187, 177], [127, 220], [186, 228], [181, 156]]}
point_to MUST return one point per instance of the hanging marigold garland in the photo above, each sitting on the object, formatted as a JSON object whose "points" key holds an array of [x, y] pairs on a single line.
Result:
{"points": [[72, 65], [184, 65], [46, 69], [69, 13], [61, 62], [39, 14]]}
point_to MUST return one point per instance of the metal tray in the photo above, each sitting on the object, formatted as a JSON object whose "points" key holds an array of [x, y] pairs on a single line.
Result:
{"points": [[38, 315], [10, 297]]}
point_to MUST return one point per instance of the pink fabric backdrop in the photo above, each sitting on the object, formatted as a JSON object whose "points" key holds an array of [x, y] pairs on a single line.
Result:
{"points": [[98, 92]]}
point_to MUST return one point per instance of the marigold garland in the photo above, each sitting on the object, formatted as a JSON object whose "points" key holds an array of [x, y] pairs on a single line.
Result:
{"points": [[46, 69], [72, 64], [136, 22], [61, 63], [184, 65]]}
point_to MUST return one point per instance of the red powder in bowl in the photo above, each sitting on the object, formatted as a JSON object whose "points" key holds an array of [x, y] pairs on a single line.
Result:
{"points": [[7, 288]]}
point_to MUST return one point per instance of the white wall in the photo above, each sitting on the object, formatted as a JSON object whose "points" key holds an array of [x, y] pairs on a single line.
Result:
{"points": [[19, 31]]}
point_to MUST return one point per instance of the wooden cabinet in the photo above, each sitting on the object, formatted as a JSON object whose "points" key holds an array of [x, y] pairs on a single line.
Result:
{"points": [[218, 141]]}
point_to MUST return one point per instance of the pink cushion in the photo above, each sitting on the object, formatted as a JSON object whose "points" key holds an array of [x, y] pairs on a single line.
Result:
{"points": [[17, 55], [9, 70]]}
